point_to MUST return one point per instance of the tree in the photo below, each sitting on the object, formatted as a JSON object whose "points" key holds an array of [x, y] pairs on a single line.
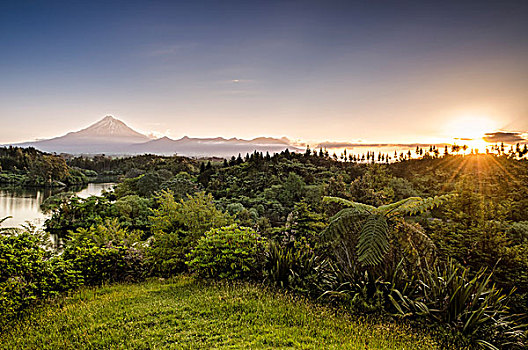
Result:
{"points": [[374, 241], [177, 226], [292, 190], [195, 215]]}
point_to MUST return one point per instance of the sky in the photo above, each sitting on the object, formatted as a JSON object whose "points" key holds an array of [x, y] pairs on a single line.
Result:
{"points": [[348, 71]]}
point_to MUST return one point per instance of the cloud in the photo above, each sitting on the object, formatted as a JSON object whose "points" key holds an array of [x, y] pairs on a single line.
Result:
{"points": [[169, 50], [239, 81], [501, 136]]}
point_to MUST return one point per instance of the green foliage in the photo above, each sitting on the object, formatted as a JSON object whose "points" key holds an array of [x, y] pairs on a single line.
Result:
{"points": [[181, 186], [305, 224], [106, 253], [474, 230], [111, 167], [373, 241], [29, 273], [177, 226], [167, 252], [196, 215], [27, 166], [229, 252], [296, 268], [469, 303], [145, 185], [370, 251], [373, 187], [133, 211], [72, 213], [292, 190]]}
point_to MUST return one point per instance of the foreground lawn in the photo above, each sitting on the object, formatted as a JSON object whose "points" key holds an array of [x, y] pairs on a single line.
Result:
{"points": [[185, 314]]}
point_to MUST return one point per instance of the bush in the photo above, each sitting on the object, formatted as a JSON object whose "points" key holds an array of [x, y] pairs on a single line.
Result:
{"points": [[468, 303], [230, 252], [195, 215], [29, 273], [298, 268], [177, 226], [167, 252], [106, 253]]}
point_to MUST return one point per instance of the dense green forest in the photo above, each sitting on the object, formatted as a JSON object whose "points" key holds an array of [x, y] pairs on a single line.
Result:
{"points": [[30, 167], [440, 241]]}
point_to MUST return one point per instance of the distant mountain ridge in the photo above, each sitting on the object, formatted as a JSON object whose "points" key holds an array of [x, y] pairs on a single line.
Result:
{"points": [[111, 136]]}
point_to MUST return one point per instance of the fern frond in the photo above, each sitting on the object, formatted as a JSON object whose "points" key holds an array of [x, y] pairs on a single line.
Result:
{"points": [[349, 204], [414, 207], [373, 241], [346, 221], [393, 207]]}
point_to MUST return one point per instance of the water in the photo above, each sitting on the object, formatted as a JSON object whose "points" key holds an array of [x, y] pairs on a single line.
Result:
{"points": [[94, 189], [23, 204]]}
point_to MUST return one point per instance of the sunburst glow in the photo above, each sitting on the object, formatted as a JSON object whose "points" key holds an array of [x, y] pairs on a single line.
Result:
{"points": [[470, 130]]}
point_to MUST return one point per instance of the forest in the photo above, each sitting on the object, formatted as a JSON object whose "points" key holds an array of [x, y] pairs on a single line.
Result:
{"points": [[435, 239]]}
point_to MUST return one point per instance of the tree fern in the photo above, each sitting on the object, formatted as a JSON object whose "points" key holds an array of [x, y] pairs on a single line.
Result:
{"points": [[344, 222], [373, 242], [349, 204]]}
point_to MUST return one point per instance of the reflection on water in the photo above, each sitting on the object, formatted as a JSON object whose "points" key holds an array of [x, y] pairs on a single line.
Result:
{"points": [[94, 189], [23, 204]]}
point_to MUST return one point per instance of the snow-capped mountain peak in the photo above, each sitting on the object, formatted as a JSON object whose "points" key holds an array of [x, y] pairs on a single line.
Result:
{"points": [[110, 127]]}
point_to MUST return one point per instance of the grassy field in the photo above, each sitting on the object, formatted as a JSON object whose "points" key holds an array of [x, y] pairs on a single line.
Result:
{"points": [[185, 314]]}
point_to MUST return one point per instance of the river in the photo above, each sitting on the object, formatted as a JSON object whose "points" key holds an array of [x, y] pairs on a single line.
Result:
{"points": [[23, 204]]}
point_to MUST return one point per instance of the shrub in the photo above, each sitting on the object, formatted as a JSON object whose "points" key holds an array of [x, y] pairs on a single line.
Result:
{"points": [[177, 226], [230, 252], [167, 252], [298, 268], [468, 303], [30, 273], [106, 253], [195, 215]]}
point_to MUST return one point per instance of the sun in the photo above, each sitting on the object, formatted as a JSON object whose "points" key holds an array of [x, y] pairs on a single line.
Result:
{"points": [[470, 130]]}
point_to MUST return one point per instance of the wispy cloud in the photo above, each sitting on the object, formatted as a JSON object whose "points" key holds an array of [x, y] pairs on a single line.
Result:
{"points": [[168, 50]]}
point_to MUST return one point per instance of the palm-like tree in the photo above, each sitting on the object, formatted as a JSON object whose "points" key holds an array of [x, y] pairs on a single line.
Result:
{"points": [[374, 241]]}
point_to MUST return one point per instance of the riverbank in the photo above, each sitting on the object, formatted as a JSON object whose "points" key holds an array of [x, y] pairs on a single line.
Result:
{"points": [[24, 203]]}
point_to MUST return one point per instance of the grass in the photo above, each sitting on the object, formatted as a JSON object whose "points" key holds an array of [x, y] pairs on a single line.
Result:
{"points": [[185, 314]]}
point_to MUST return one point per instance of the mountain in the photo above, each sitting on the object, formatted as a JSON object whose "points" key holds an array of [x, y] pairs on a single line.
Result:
{"points": [[109, 135], [113, 137], [110, 128], [206, 147]]}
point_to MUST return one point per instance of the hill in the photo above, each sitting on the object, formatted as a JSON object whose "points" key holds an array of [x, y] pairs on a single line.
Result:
{"points": [[183, 314]]}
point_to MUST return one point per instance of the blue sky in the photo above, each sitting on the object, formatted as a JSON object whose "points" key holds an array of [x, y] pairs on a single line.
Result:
{"points": [[313, 70]]}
